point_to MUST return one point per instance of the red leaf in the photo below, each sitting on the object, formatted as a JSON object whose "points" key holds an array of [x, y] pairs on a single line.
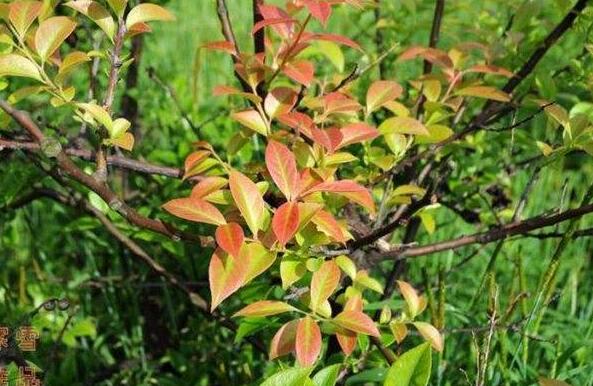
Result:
{"points": [[330, 139], [357, 321], [357, 132], [320, 10], [336, 39], [308, 341], [301, 71], [346, 188], [271, 22], [302, 123], [281, 164], [192, 161], [327, 224], [195, 209], [248, 200], [272, 12], [347, 339], [324, 282], [223, 45], [284, 341], [226, 276], [286, 222], [381, 92], [208, 185], [490, 69], [431, 55], [280, 100], [338, 103], [230, 238], [253, 120]]}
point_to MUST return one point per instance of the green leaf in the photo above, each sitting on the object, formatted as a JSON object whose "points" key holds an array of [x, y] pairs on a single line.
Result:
{"points": [[327, 376], [289, 377], [98, 113], [118, 6], [412, 368], [51, 34], [147, 12], [373, 375], [16, 65]]}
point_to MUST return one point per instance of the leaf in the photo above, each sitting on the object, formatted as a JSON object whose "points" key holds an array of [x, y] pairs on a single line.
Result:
{"points": [[412, 368], [230, 238], [143, 13], [119, 127], [252, 120], [226, 275], [336, 39], [301, 71], [98, 113], [258, 259], [431, 335], [380, 92], [191, 166], [410, 296], [291, 271], [348, 189], [279, 100], [288, 377], [265, 308], [22, 13], [97, 13], [357, 132], [403, 125], [195, 209], [327, 224], [222, 45], [71, 60], [125, 141], [347, 265], [51, 34], [273, 12], [484, 92], [319, 9], [16, 65], [281, 164], [324, 282], [208, 185], [118, 6], [327, 376], [363, 278], [551, 382], [248, 200], [308, 341], [399, 331], [285, 222], [284, 340], [358, 322], [490, 69]]}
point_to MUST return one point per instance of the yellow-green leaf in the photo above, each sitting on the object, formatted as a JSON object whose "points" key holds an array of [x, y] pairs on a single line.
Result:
{"points": [[252, 120], [248, 199], [98, 113], [51, 34], [22, 14], [403, 125], [431, 335], [97, 13], [486, 92], [265, 308], [143, 13], [16, 65], [118, 6]]}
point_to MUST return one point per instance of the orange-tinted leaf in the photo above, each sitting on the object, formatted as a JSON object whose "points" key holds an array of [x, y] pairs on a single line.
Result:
{"points": [[403, 125], [357, 132], [347, 341], [279, 100], [327, 224], [308, 341], [486, 92], [286, 222], [302, 123], [281, 164], [349, 189], [248, 200], [192, 161], [143, 13], [125, 141], [301, 71], [381, 92], [431, 55], [336, 39], [431, 334], [356, 321], [324, 282], [229, 90], [284, 341], [410, 296], [51, 34], [265, 308], [306, 212], [252, 120], [230, 238], [272, 12], [271, 22], [22, 14], [208, 185], [330, 139], [336, 103], [97, 13], [195, 209], [320, 10], [223, 45], [490, 69], [226, 276]]}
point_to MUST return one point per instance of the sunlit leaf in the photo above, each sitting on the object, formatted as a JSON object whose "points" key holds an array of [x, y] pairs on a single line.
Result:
{"points": [[229, 238], [356, 321], [248, 200], [412, 368], [285, 222], [357, 132], [327, 376], [143, 13], [281, 164], [308, 341], [252, 120], [16, 65], [279, 100], [258, 259], [195, 209], [265, 308], [226, 276], [327, 224], [289, 377], [324, 282], [51, 34], [380, 92], [97, 13], [22, 13], [486, 92], [431, 334], [410, 296], [208, 185], [301, 71], [403, 125]]}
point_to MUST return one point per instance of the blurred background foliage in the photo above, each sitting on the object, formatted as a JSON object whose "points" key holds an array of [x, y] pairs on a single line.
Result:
{"points": [[129, 327]]}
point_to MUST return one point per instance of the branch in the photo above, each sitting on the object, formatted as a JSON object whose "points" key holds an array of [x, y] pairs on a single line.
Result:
{"points": [[435, 31], [229, 35], [116, 161], [499, 233], [52, 148]]}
